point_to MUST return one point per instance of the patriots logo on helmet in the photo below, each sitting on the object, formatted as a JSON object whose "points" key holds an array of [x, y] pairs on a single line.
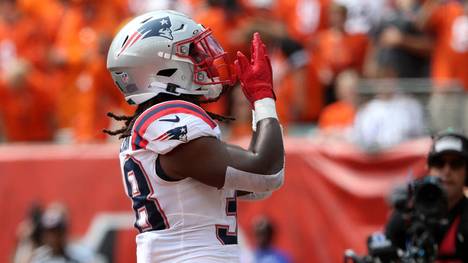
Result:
{"points": [[178, 133], [160, 27]]}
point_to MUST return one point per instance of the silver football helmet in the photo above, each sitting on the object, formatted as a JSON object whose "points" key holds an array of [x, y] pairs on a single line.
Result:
{"points": [[167, 52]]}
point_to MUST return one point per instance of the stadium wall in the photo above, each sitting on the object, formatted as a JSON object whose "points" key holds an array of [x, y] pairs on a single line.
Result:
{"points": [[333, 196]]}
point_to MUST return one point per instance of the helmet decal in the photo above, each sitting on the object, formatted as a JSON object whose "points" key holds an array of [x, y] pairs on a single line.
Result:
{"points": [[176, 56], [160, 27], [178, 133]]}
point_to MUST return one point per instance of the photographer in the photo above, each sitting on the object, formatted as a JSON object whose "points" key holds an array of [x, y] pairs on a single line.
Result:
{"points": [[447, 161]]}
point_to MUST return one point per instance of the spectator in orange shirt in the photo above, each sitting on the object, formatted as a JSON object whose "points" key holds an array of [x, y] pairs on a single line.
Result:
{"points": [[46, 12], [95, 98], [299, 90], [26, 109], [188, 7], [302, 18], [84, 26], [294, 85], [336, 50], [339, 116], [399, 45], [298, 22], [447, 21], [223, 18], [448, 24], [22, 34]]}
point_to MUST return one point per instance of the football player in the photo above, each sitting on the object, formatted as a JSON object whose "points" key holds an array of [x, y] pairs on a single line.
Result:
{"points": [[182, 179]]}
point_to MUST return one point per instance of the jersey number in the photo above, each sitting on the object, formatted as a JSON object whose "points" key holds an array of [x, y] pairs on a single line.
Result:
{"points": [[222, 231], [149, 215]]}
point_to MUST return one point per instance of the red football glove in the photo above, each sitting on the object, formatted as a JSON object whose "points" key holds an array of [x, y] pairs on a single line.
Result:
{"points": [[255, 76]]}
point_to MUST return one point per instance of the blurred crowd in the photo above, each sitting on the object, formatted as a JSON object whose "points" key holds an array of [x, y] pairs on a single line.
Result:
{"points": [[43, 238], [54, 85]]}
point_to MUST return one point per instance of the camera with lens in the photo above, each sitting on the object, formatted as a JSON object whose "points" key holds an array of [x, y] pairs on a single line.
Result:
{"points": [[424, 206]]}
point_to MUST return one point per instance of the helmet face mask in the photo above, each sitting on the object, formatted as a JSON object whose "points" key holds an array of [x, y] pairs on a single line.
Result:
{"points": [[167, 52], [211, 65]]}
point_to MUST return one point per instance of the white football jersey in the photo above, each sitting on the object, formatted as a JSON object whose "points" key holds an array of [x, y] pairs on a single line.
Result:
{"points": [[178, 221]]}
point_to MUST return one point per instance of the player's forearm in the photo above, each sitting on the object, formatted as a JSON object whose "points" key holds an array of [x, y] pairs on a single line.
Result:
{"points": [[268, 148], [265, 154], [267, 144], [261, 168]]}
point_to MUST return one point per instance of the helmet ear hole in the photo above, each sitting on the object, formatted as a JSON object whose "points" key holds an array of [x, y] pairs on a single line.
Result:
{"points": [[166, 72]]}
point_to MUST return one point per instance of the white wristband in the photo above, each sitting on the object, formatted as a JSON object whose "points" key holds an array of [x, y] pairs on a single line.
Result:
{"points": [[264, 108]]}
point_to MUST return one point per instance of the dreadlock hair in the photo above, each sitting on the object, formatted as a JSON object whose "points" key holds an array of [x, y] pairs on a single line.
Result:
{"points": [[126, 130]]}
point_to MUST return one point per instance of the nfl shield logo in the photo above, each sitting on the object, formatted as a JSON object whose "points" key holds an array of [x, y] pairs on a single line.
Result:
{"points": [[124, 77]]}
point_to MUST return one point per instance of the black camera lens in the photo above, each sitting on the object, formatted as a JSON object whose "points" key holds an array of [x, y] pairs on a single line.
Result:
{"points": [[430, 198]]}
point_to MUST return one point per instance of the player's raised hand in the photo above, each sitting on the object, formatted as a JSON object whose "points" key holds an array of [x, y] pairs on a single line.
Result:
{"points": [[255, 75]]}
